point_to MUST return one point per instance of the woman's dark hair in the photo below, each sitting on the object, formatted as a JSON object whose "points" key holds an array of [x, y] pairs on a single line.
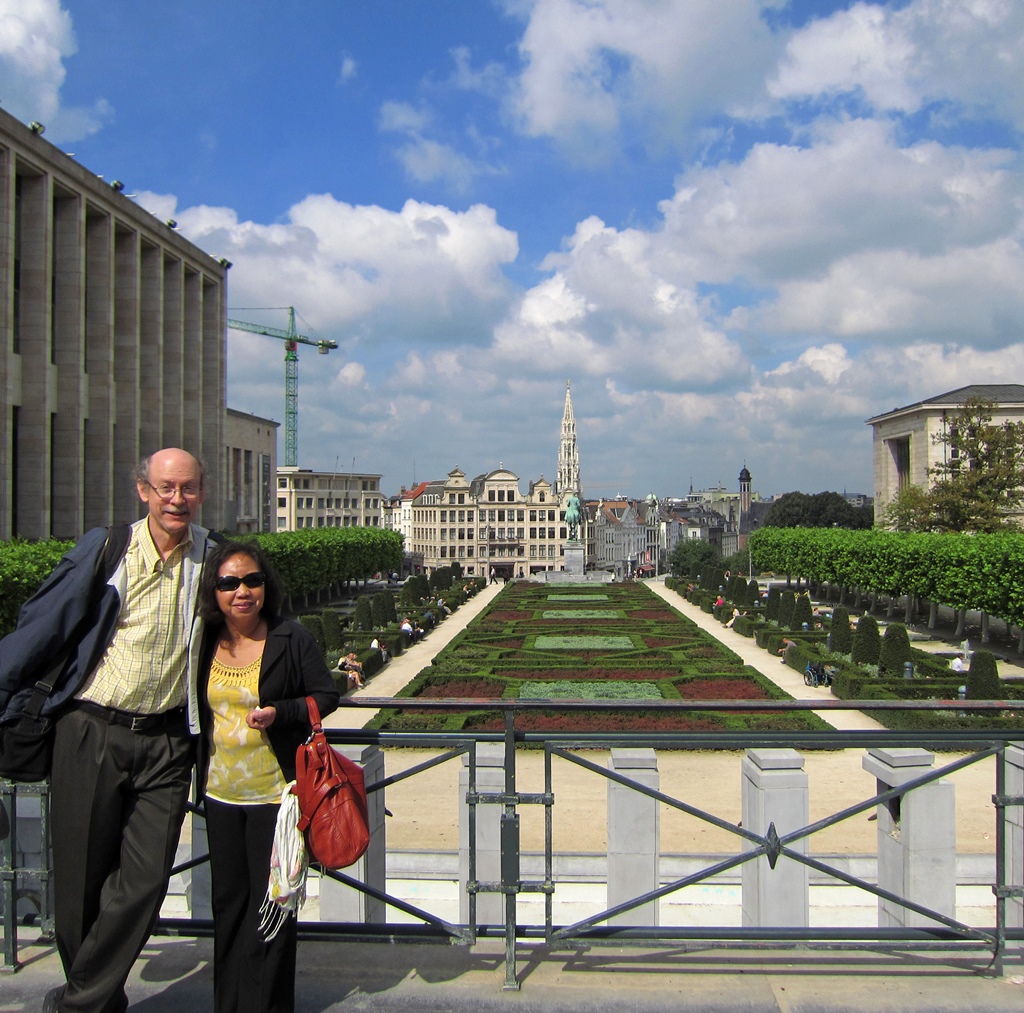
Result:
{"points": [[273, 592]]}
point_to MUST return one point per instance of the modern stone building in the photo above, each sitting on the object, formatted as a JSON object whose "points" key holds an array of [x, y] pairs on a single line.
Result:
{"points": [[250, 456], [327, 499], [907, 444], [113, 345]]}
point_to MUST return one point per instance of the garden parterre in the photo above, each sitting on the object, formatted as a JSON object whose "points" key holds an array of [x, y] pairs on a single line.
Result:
{"points": [[618, 642]]}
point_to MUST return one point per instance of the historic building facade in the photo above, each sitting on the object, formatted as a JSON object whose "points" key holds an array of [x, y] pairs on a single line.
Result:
{"points": [[113, 344], [907, 444], [250, 456]]}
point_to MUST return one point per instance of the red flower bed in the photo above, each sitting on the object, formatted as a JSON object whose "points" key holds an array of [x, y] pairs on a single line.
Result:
{"points": [[485, 689], [512, 644], [510, 615], [592, 674], [739, 688], [653, 614], [664, 642]]}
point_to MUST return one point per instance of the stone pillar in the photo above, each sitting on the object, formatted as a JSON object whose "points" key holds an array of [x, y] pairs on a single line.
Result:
{"points": [[634, 825], [340, 903], [775, 792], [490, 777], [1014, 840], [916, 837]]}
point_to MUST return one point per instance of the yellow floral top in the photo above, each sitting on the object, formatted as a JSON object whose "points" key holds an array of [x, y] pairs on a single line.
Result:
{"points": [[243, 767]]}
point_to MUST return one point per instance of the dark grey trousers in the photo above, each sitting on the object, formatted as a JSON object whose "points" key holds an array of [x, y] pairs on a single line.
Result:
{"points": [[117, 798]]}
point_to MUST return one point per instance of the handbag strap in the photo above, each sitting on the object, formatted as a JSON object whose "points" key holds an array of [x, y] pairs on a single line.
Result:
{"points": [[314, 714]]}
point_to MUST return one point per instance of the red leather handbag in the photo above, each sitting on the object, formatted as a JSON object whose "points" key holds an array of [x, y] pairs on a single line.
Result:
{"points": [[332, 799]]}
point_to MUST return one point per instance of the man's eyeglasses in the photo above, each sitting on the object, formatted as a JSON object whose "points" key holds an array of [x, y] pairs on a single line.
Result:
{"points": [[230, 583], [166, 491]]}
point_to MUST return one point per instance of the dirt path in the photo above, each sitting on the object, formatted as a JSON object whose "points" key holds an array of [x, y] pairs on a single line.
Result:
{"points": [[426, 806]]}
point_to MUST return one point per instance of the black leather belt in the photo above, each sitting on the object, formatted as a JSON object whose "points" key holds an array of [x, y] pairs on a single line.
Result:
{"points": [[174, 718]]}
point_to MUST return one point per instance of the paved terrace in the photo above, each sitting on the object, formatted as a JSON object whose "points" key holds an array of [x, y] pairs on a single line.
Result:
{"points": [[176, 974]]}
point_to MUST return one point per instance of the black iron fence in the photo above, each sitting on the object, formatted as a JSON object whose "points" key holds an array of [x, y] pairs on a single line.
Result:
{"points": [[940, 931]]}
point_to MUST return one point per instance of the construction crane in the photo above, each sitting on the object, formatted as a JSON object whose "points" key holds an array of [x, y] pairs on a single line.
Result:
{"points": [[292, 339]]}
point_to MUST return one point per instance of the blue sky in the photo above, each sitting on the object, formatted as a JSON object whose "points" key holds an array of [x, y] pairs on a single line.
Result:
{"points": [[740, 229]]}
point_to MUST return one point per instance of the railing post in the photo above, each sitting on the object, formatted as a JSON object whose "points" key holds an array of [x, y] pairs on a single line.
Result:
{"points": [[775, 794], [1014, 840], [916, 837], [490, 778], [341, 903], [634, 835]]}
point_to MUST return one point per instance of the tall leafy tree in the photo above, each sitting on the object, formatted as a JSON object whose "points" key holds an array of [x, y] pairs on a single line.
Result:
{"points": [[689, 551], [981, 479]]}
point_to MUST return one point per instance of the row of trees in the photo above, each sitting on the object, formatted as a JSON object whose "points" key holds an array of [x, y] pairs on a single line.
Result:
{"points": [[982, 572]]}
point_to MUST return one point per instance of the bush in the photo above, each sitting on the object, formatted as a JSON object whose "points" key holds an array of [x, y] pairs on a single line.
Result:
{"points": [[787, 602], [802, 612], [753, 592], [771, 609], [867, 644], [362, 617], [334, 630], [842, 636], [895, 650], [315, 625], [379, 609], [983, 678]]}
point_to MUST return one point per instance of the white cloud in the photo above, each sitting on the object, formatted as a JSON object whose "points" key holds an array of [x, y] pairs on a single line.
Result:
{"points": [[426, 271], [349, 69], [590, 66], [967, 52], [36, 36]]}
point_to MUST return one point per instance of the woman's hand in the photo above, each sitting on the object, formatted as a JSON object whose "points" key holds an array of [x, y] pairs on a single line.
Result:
{"points": [[261, 717]]}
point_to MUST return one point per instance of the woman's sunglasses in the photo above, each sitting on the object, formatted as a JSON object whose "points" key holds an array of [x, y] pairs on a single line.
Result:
{"points": [[229, 583]]}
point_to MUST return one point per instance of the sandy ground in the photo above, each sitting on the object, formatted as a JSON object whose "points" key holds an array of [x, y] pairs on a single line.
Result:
{"points": [[425, 807]]}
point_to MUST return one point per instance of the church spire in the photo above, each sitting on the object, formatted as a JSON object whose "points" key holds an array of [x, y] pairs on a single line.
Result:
{"points": [[568, 480]]}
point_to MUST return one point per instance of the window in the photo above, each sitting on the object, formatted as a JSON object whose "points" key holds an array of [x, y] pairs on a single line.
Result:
{"points": [[563, 533], [520, 515], [533, 515], [533, 532], [469, 552], [469, 516], [540, 498], [490, 516], [490, 495], [462, 516], [444, 515], [551, 532], [320, 503], [444, 551], [451, 497], [501, 515], [282, 502], [501, 495], [462, 497], [282, 483]]}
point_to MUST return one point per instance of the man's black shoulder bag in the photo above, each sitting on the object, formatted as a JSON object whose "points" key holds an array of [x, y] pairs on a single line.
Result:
{"points": [[26, 745]]}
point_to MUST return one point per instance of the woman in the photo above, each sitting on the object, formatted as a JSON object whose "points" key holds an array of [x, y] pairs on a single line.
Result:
{"points": [[257, 669]]}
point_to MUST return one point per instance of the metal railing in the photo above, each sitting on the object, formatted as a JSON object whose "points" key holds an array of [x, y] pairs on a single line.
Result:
{"points": [[946, 933]]}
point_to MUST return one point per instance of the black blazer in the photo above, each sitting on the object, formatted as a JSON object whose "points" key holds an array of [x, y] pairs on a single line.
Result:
{"points": [[293, 668]]}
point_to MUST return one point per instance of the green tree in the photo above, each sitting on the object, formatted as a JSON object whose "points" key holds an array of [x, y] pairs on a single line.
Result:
{"points": [[842, 636], [771, 608], [692, 550], [822, 510], [867, 644], [802, 612], [362, 617], [895, 650], [983, 678], [787, 600], [981, 478], [910, 510], [379, 609]]}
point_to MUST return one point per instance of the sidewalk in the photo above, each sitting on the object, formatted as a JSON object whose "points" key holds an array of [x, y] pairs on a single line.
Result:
{"points": [[770, 667], [405, 666], [176, 974]]}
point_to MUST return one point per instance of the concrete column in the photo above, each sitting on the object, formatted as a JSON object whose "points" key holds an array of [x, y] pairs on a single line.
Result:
{"points": [[634, 835], [1015, 834], [340, 903], [490, 777], [775, 792], [916, 837]]}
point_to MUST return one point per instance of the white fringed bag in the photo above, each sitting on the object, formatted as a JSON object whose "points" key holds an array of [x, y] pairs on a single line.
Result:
{"points": [[286, 889]]}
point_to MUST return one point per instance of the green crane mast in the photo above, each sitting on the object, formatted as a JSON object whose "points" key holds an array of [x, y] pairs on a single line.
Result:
{"points": [[292, 339]]}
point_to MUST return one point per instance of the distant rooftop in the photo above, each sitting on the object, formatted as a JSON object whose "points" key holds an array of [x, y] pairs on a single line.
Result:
{"points": [[999, 393]]}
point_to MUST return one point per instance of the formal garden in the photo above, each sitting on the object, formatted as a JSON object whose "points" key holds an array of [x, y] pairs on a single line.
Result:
{"points": [[589, 642]]}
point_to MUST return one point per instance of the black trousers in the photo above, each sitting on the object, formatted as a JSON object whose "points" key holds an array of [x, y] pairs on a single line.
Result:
{"points": [[249, 974], [117, 799]]}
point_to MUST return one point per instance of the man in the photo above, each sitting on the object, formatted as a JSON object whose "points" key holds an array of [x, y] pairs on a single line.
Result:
{"points": [[958, 663], [127, 709]]}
